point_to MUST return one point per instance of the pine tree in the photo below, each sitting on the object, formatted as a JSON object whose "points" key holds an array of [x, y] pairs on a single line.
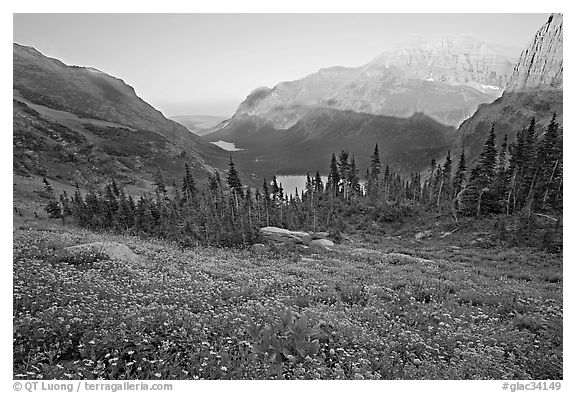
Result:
{"points": [[48, 190], [353, 179], [159, 182], [343, 170], [503, 178], [333, 176], [318, 185], [234, 179], [516, 171], [266, 198], [188, 186], [460, 175], [530, 169], [374, 174], [480, 196], [446, 183], [386, 184], [550, 161], [275, 189]]}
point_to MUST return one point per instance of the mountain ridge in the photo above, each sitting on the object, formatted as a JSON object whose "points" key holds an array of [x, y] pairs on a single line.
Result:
{"points": [[406, 144], [83, 125], [396, 83]]}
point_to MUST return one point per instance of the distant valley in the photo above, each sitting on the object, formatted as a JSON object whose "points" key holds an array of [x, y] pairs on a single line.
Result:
{"points": [[416, 102], [199, 124]]}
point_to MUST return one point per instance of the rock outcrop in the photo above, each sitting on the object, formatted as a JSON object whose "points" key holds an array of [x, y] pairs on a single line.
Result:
{"points": [[454, 60], [533, 91], [114, 250], [281, 235], [541, 63], [322, 243]]}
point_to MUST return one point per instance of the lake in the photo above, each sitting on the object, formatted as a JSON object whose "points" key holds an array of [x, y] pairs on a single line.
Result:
{"points": [[291, 182], [228, 146]]}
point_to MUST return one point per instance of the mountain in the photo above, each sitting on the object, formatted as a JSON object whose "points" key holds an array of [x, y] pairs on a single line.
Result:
{"points": [[534, 89], [454, 60], [540, 64], [82, 125], [425, 85], [447, 80], [199, 124], [406, 144]]}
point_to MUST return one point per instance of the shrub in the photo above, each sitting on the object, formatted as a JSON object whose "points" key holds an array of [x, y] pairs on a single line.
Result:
{"points": [[290, 340]]}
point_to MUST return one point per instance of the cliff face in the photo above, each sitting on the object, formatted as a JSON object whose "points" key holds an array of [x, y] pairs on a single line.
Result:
{"points": [[447, 80], [533, 91], [453, 60], [540, 64]]}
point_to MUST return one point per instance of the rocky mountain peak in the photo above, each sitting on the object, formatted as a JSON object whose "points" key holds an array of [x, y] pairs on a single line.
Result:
{"points": [[455, 60], [540, 64], [446, 79]]}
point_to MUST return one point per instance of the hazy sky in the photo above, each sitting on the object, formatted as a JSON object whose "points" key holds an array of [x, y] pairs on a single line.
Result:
{"points": [[208, 63]]}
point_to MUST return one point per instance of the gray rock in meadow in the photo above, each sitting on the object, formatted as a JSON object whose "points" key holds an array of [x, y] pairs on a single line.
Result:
{"points": [[319, 235], [281, 235], [322, 243], [259, 248], [423, 235], [114, 250]]}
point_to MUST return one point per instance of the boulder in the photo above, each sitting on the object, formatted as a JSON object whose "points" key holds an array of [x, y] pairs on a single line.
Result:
{"points": [[114, 250], [259, 248], [281, 235], [423, 235], [323, 243]]}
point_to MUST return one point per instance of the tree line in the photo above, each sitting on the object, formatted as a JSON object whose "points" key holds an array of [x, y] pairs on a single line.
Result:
{"points": [[522, 176]]}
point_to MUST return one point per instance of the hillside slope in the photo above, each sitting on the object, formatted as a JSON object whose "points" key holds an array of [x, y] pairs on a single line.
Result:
{"points": [[82, 125]]}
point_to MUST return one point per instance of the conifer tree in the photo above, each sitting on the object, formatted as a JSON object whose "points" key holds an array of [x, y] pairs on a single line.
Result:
{"points": [[343, 170], [353, 179], [266, 199], [530, 169], [446, 182], [374, 174], [503, 177], [480, 196], [460, 175], [333, 176], [48, 190], [159, 182], [318, 185], [188, 186], [234, 179], [550, 161]]}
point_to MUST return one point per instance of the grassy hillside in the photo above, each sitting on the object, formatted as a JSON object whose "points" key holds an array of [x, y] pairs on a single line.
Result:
{"points": [[82, 125], [463, 306]]}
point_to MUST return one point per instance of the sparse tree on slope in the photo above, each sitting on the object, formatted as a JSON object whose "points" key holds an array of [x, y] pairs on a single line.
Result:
{"points": [[480, 196]]}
